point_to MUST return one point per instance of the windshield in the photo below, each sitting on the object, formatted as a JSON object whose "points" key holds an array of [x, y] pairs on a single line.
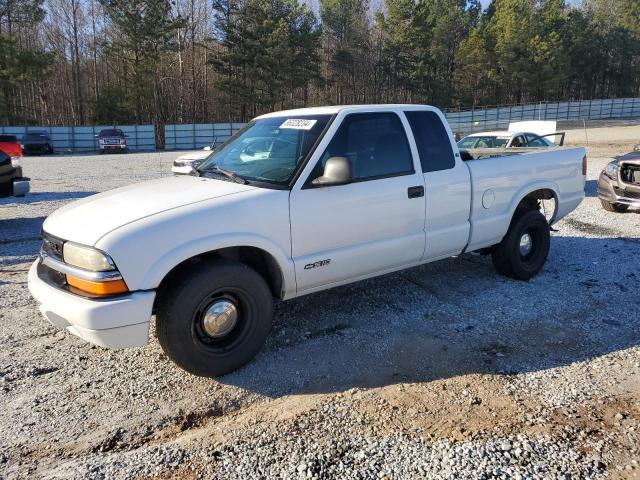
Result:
{"points": [[8, 138], [268, 149], [486, 141], [34, 137], [111, 133]]}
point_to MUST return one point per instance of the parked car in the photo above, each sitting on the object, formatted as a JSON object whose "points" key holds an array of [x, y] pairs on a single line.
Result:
{"points": [[10, 145], [350, 192], [11, 180], [37, 141], [529, 134], [187, 163], [112, 139], [619, 183]]}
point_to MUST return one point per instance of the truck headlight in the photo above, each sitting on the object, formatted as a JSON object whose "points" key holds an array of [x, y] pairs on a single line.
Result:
{"points": [[87, 258], [611, 170], [15, 162]]}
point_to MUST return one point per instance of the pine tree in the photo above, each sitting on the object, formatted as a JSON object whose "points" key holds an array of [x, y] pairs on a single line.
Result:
{"points": [[142, 31]]}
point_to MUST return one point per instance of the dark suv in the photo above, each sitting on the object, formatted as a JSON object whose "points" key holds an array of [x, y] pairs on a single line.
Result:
{"points": [[37, 141], [112, 139]]}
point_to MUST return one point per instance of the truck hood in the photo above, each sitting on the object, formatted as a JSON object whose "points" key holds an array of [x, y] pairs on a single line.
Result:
{"points": [[86, 221]]}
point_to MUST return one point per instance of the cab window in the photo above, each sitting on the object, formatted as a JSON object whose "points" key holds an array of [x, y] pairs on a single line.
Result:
{"points": [[432, 140], [375, 144]]}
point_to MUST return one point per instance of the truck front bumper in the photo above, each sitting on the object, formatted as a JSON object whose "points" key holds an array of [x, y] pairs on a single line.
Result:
{"points": [[117, 322]]}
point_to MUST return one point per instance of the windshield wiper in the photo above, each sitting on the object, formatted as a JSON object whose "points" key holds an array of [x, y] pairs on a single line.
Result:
{"points": [[223, 172]]}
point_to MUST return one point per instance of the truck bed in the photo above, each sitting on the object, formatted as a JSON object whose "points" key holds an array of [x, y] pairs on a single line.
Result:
{"points": [[482, 153], [499, 182]]}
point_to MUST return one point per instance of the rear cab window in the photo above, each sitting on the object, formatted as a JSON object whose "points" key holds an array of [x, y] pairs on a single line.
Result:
{"points": [[8, 138], [432, 140]]}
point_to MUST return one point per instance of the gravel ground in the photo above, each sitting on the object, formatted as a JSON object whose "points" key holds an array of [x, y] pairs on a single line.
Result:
{"points": [[442, 371]]}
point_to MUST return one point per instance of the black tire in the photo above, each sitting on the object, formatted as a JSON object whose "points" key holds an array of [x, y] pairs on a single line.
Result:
{"points": [[508, 257], [180, 314], [614, 207]]}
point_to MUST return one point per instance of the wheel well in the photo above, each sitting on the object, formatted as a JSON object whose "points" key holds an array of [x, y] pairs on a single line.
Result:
{"points": [[532, 201], [256, 258]]}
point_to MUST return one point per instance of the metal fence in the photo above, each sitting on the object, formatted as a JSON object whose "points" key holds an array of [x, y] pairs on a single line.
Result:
{"points": [[194, 136], [473, 120], [83, 139]]}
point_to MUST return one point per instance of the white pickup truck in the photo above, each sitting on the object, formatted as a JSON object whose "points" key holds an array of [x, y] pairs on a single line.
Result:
{"points": [[296, 202]]}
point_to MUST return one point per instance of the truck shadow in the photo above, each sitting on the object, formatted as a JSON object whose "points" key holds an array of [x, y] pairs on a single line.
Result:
{"points": [[591, 188], [36, 197], [20, 239], [451, 318]]}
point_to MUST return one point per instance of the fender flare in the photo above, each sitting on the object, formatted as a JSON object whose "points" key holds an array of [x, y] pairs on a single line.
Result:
{"points": [[532, 187], [167, 262]]}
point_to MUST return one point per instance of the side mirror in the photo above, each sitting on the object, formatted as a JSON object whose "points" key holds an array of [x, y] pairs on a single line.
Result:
{"points": [[337, 171]]}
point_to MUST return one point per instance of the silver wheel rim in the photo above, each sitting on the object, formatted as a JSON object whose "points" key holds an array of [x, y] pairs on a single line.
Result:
{"points": [[220, 318], [526, 244]]}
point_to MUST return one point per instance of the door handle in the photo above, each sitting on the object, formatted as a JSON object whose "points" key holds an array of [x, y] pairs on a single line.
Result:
{"points": [[415, 192]]}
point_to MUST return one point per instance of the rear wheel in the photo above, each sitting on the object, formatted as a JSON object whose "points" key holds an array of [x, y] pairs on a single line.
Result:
{"points": [[214, 317], [614, 207], [524, 249]]}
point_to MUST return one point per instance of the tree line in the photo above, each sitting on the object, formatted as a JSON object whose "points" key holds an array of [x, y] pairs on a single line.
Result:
{"points": [[195, 61]]}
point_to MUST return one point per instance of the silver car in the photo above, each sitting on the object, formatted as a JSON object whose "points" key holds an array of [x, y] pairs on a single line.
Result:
{"points": [[619, 182]]}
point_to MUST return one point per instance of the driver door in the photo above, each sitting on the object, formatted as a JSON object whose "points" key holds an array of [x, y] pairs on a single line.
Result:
{"points": [[376, 223]]}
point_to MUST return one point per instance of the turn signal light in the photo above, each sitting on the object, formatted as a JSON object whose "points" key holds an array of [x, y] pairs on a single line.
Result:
{"points": [[112, 287]]}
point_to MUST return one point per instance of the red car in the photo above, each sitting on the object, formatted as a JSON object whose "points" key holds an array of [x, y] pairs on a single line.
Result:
{"points": [[10, 145]]}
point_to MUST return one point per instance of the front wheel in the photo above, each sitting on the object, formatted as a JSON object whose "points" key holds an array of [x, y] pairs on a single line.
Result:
{"points": [[214, 317], [524, 249], [614, 207]]}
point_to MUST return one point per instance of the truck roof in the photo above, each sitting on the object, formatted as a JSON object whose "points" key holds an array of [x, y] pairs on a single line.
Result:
{"points": [[331, 110]]}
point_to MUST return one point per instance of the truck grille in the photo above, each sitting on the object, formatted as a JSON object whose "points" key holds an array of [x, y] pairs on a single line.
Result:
{"points": [[51, 276], [626, 193], [630, 174], [52, 246]]}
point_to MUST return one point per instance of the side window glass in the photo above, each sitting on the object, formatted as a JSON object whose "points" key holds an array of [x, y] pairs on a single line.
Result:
{"points": [[518, 141], [432, 140], [375, 144], [533, 141]]}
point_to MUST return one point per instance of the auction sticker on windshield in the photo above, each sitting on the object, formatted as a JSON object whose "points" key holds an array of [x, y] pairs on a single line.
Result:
{"points": [[299, 123]]}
